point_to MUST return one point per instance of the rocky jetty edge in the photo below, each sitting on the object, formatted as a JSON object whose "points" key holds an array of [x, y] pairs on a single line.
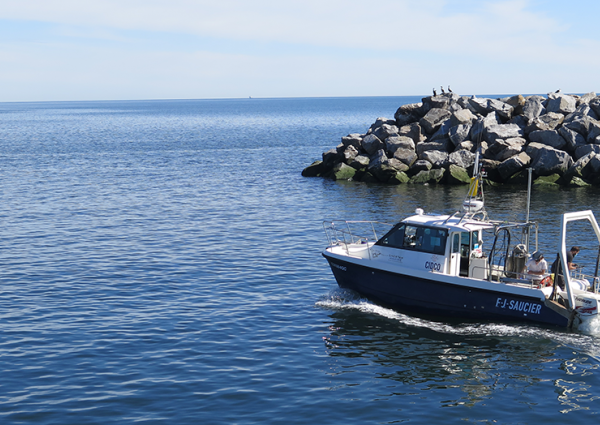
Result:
{"points": [[435, 141]]}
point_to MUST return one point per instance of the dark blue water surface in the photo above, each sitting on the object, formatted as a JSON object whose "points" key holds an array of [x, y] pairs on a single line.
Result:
{"points": [[160, 263]]}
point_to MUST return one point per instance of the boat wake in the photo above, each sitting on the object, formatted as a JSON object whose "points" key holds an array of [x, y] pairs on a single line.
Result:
{"points": [[586, 339]]}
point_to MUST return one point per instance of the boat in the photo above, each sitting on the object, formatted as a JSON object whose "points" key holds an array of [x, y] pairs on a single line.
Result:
{"points": [[462, 265]]}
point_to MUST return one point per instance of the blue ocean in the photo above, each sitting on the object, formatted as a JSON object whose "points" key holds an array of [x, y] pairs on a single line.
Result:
{"points": [[160, 263]]}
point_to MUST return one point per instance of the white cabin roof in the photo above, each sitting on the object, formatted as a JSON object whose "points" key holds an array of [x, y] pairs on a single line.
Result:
{"points": [[452, 223]]}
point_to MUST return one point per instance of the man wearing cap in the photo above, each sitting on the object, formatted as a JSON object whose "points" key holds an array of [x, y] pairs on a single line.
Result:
{"points": [[537, 266]]}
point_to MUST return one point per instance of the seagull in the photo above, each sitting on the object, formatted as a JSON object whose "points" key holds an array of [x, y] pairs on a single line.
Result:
{"points": [[443, 92], [434, 92]]}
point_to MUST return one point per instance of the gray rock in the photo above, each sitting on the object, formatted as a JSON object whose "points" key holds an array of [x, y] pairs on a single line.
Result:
{"points": [[354, 139], [595, 105], [418, 166], [573, 139], [330, 158], [372, 144], [407, 156], [561, 103], [533, 107], [466, 145], [462, 158], [442, 132], [343, 172], [393, 143], [441, 101], [380, 122], [441, 145], [360, 161], [581, 125], [548, 137], [457, 175], [586, 98], [548, 121], [503, 131], [479, 105], [413, 131], [582, 151], [349, 154], [313, 170], [459, 133], [504, 110], [550, 161], [438, 159], [385, 130], [577, 169], [463, 116], [479, 129], [408, 113], [428, 177], [593, 132], [399, 178], [502, 149], [433, 119], [513, 165]]}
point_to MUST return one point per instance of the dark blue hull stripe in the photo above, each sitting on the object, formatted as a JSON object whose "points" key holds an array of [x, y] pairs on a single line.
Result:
{"points": [[432, 297]]}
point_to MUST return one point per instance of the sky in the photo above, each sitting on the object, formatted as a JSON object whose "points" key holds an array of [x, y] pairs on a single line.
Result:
{"points": [[52, 50]]}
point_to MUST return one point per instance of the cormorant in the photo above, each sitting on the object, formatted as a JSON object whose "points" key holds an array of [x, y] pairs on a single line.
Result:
{"points": [[449, 90], [443, 92], [434, 92]]}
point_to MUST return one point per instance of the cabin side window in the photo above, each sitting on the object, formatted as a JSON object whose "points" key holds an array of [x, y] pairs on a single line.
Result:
{"points": [[394, 238], [416, 238]]}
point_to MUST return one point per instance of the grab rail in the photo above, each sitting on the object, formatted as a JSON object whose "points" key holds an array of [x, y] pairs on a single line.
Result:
{"points": [[352, 232]]}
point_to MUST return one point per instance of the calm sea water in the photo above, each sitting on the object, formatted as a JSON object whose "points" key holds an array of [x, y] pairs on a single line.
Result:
{"points": [[160, 263]]}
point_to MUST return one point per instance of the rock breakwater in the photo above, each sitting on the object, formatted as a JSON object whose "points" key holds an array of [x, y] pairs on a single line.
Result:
{"points": [[435, 141]]}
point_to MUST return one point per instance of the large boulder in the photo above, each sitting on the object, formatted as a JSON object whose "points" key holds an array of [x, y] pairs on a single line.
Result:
{"points": [[459, 133], [502, 131], [573, 139], [418, 166], [439, 159], [427, 177], [480, 126], [372, 144], [582, 151], [354, 139], [393, 143], [342, 172], [513, 165], [533, 107], [440, 145], [414, 131], [313, 170], [561, 103], [349, 154], [407, 156], [433, 119], [359, 162], [457, 175], [385, 130], [550, 161], [462, 158], [548, 121], [578, 169], [407, 114], [595, 105], [502, 149], [463, 116], [548, 137]]}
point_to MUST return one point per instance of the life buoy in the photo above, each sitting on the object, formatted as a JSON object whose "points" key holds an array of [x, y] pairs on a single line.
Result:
{"points": [[545, 282]]}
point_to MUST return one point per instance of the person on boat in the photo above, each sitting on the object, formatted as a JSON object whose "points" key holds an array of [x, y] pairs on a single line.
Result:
{"points": [[571, 266], [537, 267]]}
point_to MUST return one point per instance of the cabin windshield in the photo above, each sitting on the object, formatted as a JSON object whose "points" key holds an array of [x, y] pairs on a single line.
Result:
{"points": [[416, 238]]}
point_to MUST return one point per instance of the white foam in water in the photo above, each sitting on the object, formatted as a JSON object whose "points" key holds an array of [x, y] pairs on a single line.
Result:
{"points": [[584, 339]]}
